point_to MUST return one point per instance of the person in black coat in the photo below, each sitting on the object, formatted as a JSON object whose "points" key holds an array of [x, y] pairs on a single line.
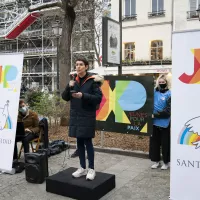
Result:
{"points": [[85, 95]]}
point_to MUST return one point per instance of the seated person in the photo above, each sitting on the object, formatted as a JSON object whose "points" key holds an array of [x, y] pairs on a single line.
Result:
{"points": [[31, 125]]}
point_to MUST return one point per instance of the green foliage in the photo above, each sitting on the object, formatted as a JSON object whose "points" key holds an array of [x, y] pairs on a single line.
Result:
{"points": [[32, 97], [53, 107]]}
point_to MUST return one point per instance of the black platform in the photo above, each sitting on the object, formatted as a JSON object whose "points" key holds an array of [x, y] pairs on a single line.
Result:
{"points": [[64, 184]]}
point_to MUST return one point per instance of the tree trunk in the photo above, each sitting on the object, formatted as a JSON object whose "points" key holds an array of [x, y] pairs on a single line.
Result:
{"points": [[65, 47]]}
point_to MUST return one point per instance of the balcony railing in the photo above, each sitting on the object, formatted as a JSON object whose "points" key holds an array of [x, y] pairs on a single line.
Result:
{"points": [[129, 17], [159, 13], [7, 1], [146, 62], [192, 14], [34, 51]]}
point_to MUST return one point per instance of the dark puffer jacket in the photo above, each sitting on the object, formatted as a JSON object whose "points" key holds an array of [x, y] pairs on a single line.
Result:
{"points": [[83, 111]]}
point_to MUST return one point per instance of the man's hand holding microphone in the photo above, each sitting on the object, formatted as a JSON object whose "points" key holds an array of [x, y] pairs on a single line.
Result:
{"points": [[75, 94]]}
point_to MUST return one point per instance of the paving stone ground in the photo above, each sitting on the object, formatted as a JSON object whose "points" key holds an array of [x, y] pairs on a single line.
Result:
{"points": [[134, 179]]}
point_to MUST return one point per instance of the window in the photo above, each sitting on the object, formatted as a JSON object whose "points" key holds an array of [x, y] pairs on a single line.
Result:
{"points": [[86, 23], [86, 44], [157, 50], [157, 5], [157, 9], [129, 51], [130, 7], [194, 4]]}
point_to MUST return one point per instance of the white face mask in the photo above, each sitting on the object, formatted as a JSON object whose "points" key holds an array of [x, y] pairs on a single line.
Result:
{"points": [[23, 110]]}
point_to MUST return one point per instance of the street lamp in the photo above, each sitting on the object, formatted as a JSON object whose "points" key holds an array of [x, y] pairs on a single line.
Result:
{"points": [[198, 11], [120, 21], [57, 32]]}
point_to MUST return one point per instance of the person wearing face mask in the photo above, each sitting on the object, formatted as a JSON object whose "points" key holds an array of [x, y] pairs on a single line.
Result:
{"points": [[31, 125], [85, 95], [160, 137]]}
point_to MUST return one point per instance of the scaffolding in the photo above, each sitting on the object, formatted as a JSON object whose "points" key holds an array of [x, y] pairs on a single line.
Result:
{"points": [[36, 39]]}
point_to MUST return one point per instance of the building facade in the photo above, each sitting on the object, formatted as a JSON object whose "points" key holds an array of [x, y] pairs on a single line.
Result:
{"points": [[38, 41], [185, 15], [146, 35]]}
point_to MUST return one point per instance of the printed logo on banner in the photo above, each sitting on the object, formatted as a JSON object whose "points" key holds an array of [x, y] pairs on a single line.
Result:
{"points": [[127, 96], [195, 77], [8, 74], [190, 134], [5, 120]]}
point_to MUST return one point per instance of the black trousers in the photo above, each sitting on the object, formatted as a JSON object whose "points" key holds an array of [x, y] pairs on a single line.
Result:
{"points": [[160, 139], [25, 141], [81, 144]]}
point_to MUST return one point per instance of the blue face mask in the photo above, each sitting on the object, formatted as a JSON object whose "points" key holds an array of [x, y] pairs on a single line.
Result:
{"points": [[23, 110]]}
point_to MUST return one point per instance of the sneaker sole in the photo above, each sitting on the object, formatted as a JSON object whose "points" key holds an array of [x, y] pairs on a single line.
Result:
{"points": [[79, 176], [155, 167], [90, 179]]}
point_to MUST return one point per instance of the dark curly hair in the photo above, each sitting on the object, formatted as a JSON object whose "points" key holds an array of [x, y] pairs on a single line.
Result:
{"points": [[83, 60]]}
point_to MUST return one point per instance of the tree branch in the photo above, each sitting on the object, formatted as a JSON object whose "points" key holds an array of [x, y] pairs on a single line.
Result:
{"points": [[45, 6], [74, 3]]}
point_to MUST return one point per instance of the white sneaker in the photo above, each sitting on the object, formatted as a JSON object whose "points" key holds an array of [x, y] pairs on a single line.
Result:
{"points": [[91, 174], [156, 165], [79, 172], [165, 166]]}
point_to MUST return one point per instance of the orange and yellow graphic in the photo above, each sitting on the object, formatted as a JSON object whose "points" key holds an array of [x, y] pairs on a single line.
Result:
{"points": [[195, 77]]}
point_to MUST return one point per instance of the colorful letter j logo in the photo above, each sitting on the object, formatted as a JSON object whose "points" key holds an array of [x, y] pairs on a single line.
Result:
{"points": [[195, 77]]}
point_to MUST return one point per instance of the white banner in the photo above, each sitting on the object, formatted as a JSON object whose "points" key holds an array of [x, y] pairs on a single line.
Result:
{"points": [[10, 82], [185, 135]]}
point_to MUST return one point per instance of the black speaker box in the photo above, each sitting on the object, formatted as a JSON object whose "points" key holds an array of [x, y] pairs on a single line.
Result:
{"points": [[45, 151], [35, 167]]}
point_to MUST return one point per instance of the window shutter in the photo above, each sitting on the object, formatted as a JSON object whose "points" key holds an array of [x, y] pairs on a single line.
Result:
{"points": [[160, 5], [154, 5], [133, 7], [193, 5], [127, 8]]}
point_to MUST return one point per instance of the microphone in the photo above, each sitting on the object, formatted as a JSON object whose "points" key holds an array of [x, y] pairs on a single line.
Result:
{"points": [[73, 78]]}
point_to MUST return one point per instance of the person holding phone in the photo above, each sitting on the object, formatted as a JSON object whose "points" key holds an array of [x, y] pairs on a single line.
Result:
{"points": [[85, 95]]}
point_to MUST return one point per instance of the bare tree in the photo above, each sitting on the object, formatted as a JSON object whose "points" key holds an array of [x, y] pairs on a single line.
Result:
{"points": [[88, 26], [74, 12], [68, 6]]}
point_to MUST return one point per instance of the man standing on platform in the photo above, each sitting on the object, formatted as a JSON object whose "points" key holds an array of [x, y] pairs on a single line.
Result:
{"points": [[85, 98]]}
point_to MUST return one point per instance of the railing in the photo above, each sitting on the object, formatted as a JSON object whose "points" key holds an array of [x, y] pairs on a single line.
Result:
{"points": [[52, 50], [35, 5], [35, 51], [129, 17], [146, 62], [14, 23], [7, 1], [20, 15], [192, 14], [158, 13]]}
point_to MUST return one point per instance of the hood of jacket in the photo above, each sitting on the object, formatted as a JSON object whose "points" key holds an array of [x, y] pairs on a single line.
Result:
{"points": [[97, 78]]}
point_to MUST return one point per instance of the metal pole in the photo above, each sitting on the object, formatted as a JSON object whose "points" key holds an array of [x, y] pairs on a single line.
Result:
{"points": [[120, 21], [58, 70], [42, 53]]}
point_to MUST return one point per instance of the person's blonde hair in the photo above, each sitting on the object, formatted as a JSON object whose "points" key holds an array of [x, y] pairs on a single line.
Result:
{"points": [[164, 77]]}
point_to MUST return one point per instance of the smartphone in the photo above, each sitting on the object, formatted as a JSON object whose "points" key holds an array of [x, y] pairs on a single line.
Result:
{"points": [[73, 91]]}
